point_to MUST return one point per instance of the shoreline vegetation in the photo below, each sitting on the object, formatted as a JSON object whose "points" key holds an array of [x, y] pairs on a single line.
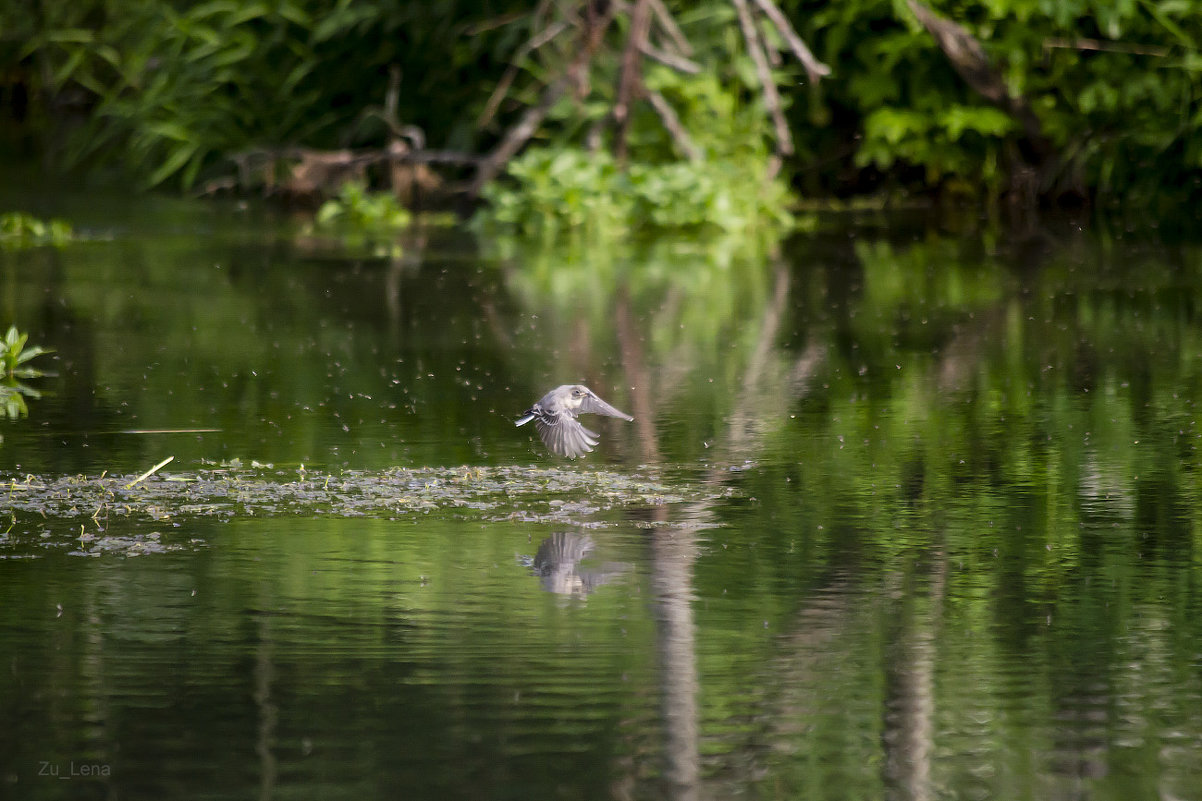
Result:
{"points": [[724, 114]]}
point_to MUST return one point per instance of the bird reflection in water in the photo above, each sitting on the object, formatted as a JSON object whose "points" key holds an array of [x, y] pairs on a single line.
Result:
{"points": [[557, 564]]}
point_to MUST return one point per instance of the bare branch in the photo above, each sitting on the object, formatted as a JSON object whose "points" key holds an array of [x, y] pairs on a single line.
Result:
{"points": [[667, 116], [814, 68], [629, 80], [1106, 47], [254, 159], [393, 95], [784, 139], [678, 63], [498, 94], [770, 49], [493, 24], [518, 135], [664, 17], [430, 157]]}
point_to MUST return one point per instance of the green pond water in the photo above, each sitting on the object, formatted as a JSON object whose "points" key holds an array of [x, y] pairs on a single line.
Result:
{"points": [[906, 512]]}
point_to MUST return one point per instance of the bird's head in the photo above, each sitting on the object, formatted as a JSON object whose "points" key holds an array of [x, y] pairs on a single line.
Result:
{"points": [[576, 395]]}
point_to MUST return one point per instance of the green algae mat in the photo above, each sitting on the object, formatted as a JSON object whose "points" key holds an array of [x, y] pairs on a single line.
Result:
{"points": [[82, 511]]}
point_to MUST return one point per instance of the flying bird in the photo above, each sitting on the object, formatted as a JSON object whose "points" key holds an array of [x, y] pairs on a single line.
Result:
{"points": [[555, 418]]}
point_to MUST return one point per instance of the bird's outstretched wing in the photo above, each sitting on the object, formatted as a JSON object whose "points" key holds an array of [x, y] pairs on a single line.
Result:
{"points": [[564, 435], [594, 405]]}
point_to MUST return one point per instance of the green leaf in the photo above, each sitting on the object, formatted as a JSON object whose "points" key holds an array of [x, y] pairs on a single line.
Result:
{"points": [[173, 163], [30, 353], [170, 129]]}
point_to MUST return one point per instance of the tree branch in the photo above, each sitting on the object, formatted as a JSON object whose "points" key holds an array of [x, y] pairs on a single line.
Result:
{"points": [[784, 139], [520, 133], [667, 116], [813, 67], [629, 81], [498, 94], [969, 59], [664, 17], [678, 63], [1106, 47], [354, 158]]}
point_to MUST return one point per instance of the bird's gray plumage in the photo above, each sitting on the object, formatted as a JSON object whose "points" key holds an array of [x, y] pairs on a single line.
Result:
{"points": [[555, 418]]}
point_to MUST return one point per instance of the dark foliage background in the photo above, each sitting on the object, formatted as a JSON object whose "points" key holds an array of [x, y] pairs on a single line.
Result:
{"points": [[166, 92]]}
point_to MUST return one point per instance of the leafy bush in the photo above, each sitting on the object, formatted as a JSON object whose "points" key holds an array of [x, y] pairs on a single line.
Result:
{"points": [[20, 230], [14, 354], [169, 90], [949, 142], [357, 208], [173, 89], [554, 191], [14, 359], [1116, 85]]}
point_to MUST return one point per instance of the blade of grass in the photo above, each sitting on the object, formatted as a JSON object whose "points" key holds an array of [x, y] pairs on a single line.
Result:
{"points": [[149, 472], [168, 431]]}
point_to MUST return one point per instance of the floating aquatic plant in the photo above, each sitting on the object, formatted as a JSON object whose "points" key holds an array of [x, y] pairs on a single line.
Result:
{"points": [[577, 498], [14, 355], [21, 230], [359, 208], [12, 398], [14, 364]]}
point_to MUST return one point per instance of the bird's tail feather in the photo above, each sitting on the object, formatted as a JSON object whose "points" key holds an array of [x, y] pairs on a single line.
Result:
{"points": [[526, 418]]}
